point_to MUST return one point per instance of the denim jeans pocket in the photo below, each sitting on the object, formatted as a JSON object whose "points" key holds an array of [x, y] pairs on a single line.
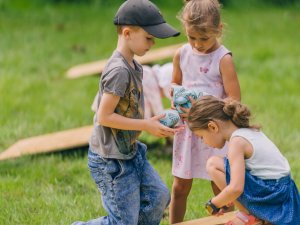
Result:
{"points": [[114, 168]]}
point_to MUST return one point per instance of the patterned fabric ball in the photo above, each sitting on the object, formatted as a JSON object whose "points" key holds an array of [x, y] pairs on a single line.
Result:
{"points": [[171, 119], [181, 97]]}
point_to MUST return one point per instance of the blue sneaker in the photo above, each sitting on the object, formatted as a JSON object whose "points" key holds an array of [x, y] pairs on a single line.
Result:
{"points": [[171, 119]]}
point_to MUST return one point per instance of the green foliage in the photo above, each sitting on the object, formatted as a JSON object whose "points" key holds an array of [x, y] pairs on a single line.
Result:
{"points": [[258, 3], [282, 2]]}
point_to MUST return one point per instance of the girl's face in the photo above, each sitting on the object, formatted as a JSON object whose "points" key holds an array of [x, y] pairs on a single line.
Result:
{"points": [[211, 136], [203, 43], [140, 41]]}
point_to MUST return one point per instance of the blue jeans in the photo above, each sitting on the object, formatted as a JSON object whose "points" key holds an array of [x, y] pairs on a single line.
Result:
{"points": [[132, 192]]}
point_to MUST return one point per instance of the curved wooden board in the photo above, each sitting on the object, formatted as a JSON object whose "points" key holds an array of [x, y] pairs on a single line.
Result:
{"points": [[97, 67], [212, 220], [49, 142]]}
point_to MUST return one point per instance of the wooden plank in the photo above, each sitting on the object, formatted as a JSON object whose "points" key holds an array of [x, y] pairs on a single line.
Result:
{"points": [[49, 142], [97, 67], [212, 220]]}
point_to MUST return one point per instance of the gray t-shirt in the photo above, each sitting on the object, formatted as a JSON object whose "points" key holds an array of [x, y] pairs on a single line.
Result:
{"points": [[119, 78]]}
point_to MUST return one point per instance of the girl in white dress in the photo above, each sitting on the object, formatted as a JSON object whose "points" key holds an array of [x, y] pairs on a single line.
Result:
{"points": [[202, 64]]}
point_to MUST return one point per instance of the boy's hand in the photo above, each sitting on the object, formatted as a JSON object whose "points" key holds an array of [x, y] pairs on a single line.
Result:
{"points": [[170, 119], [154, 127]]}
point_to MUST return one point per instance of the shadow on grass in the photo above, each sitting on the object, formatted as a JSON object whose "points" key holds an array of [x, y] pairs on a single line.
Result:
{"points": [[79, 152], [156, 150], [161, 150]]}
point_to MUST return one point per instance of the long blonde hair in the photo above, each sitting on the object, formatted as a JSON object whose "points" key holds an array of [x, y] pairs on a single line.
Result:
{"points": [[209, 108], [202, 15]]}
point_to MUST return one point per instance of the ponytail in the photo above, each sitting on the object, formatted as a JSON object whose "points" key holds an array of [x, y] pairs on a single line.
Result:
{"points": [[238, 113]]}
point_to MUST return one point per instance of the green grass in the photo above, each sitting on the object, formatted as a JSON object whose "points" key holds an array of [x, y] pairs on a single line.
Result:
{"points": [[39, 42]]}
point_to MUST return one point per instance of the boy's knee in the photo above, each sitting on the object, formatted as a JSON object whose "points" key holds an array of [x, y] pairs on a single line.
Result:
{"points": [[158, 203]]}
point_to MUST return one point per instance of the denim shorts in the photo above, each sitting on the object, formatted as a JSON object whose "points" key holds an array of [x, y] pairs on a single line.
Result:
{"points": [[276, 201], [131, 190]]}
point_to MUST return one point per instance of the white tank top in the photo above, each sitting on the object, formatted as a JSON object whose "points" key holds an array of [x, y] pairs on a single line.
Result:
{"points": [[266, 162]]}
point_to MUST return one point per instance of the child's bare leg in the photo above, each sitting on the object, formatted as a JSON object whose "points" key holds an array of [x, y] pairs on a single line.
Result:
{"points": [[215, 188], [240, 207], [215, 169], [180, 191]]}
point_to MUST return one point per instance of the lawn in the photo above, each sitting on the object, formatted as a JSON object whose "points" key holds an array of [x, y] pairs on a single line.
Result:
{"points": [[39, 42]]}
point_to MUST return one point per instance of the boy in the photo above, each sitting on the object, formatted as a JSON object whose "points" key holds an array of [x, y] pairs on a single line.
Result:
{"points": [[132, 192]]}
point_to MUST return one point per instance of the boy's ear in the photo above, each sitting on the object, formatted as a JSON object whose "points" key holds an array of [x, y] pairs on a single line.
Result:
{"points": [[213, 126], [126, 31]]}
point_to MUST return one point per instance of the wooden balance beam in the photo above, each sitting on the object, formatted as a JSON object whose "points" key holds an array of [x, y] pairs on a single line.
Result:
{"points": [[212, 220], [49, 143], [97, 67]]}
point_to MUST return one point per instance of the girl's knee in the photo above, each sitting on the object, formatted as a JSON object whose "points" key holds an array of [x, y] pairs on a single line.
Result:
{"points": [[181, 189], [214, 163]]}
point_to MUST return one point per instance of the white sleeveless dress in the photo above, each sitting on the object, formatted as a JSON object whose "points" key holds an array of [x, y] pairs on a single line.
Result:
{"points": [[199, 72]]}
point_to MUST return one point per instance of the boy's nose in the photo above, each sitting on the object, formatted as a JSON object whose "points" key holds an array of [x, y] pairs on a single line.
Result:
{"points": [[198, 44]]}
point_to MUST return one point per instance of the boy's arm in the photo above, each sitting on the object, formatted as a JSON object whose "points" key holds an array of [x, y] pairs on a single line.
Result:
{"points": [[230, 79], [107, 117]]}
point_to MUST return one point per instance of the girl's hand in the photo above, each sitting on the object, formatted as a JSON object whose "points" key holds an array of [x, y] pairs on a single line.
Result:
{"points": [[186, 110], [172, 105], [171, 91], [192, 100], [224, 209], [154, 127], [230, 204], [185, 113], [220, 213]]}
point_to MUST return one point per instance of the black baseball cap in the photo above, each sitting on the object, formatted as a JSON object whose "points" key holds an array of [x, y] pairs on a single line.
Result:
{"points": [[145, 14]]}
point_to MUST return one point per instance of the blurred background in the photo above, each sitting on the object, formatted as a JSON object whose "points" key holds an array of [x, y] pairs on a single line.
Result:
{"points": [[41, 39]]}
